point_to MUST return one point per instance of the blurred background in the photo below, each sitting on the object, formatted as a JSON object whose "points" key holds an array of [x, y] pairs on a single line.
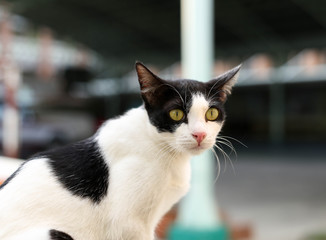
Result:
{"points": [[66, 66]]}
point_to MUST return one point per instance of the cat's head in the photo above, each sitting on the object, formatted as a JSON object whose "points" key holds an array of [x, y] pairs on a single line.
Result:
{"points": [[188, 114]]}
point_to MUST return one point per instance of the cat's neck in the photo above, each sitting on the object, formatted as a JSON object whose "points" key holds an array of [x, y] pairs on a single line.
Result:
{"points": [[132, 133]]}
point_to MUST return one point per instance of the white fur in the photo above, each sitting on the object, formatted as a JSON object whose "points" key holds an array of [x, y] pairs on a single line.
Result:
{"points": [[197, 123], [149, 172]]}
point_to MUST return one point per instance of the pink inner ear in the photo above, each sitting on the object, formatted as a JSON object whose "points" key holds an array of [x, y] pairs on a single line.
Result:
{"points": [[223, 96], [146, 77], [144, 84]]}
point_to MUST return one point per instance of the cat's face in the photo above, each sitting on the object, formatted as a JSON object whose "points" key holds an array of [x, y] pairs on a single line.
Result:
{"points": [[188, 114]]}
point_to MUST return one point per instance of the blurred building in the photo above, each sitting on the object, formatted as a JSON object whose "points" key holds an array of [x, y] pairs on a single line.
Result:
{"points": [[271, 103], [49, 72], [279, 97]]}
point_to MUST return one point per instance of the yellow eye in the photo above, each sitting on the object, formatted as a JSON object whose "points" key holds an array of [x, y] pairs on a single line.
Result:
{"points": [[176, 114], [212, 114]]}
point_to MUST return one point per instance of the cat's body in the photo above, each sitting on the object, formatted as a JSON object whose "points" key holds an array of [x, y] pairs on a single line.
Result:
{"points": [[119, 183], [134, 205]]}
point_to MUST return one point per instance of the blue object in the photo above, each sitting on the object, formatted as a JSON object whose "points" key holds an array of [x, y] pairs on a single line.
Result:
{"points": [[178, 232]]}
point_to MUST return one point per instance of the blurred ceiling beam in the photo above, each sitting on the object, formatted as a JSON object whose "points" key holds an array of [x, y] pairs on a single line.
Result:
{"points": [[146, 30], [255, 30], [298, 45], [316, 9], [118, 31]]}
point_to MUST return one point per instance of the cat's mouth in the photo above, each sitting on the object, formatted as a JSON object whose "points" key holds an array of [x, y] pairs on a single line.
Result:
{"points": [[196, 149], [191, 146]]}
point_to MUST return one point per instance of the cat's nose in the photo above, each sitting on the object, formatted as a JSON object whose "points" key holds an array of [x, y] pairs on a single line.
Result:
{"points": [[199, 136]]}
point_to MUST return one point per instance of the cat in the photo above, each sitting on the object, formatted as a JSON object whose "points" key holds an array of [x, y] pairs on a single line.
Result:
{"points": [[117, 184]]}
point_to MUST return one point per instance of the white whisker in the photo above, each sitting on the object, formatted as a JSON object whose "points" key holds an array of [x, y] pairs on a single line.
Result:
{"points": [[228, 144], [224, 140], [226, 157], [234, 139], [218, 165]]}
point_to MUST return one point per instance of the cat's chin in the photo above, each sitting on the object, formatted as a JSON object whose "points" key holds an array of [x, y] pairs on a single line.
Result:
{"points": [[193, 151], [197, 150]]}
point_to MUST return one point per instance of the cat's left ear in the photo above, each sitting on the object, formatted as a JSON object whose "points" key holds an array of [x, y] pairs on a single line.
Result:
{"points": [[148, 82], [222, 85], [147, 79]]}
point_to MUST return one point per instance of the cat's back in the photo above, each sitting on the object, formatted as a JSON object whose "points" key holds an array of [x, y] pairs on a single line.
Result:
{"points": [[78, 168], [54, 189]]}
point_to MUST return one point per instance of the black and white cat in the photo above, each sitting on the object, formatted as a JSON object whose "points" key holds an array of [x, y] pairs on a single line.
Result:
{"points": [[117, 184]]}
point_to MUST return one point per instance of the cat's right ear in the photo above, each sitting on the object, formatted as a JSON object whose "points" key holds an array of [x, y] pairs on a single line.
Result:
{"points": [[148, 82], [222, 85]]}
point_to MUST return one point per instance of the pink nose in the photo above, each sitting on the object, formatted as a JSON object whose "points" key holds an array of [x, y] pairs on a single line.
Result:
{"points": [[199, 136]]}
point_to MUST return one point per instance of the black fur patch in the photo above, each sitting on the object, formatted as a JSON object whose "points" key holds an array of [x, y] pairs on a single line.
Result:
{"points": [[57, 235], [161, 96], [178, 95], [80, 168]]}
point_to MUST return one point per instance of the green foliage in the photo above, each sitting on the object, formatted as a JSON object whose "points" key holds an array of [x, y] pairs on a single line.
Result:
{"points": [[318, 236]]}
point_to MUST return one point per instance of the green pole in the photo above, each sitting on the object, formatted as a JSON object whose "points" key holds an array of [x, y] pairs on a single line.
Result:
{"points": [[198, 217]]}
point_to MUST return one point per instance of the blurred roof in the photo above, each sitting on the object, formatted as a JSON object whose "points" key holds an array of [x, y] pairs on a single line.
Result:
{"points": [[123, 31]]}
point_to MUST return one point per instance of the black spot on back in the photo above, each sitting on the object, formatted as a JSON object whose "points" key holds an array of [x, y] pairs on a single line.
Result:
{"points": [[81, 169], [57, 235]]}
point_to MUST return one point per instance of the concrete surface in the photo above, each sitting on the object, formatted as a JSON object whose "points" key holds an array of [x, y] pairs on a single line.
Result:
{"points": [[283, 196]]}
